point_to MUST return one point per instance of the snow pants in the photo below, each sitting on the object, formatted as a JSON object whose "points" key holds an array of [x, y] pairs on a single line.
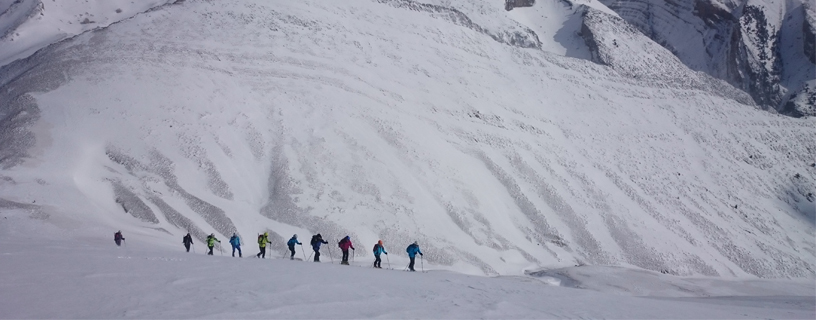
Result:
{"points": [[345, 256], [187, 245], [292, 250], [377, 261], [118, 242], [317, 256], [262, 253], [239, 251], [211, 248], [411, 265]]}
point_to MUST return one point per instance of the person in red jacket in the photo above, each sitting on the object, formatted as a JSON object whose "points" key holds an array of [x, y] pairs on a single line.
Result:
{"points": [[345, 244]]}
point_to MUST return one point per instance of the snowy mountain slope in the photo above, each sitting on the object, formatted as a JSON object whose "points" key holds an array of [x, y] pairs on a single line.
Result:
{"points": [[29, 25], [613, 42], [399, 121], [756, 45], [89, 279]]}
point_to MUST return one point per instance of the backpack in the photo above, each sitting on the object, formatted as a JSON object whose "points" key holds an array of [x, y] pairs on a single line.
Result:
{"points": [[260, 238], [314, 240], [376, 246], [411, 246], [340, 244]]}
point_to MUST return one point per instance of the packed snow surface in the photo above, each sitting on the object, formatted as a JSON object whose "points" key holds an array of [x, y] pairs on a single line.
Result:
{"points": [[45, 276], [401, 121]]}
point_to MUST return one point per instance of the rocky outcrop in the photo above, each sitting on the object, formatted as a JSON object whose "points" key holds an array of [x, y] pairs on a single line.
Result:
{"points": [[802, 103], [809, 32], [510, 4], [525, 38], [755, 57], [739, 41], [620, 45]]}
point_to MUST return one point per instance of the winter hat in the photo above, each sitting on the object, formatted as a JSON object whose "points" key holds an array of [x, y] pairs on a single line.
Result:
{"points": [[415, 243], [266, 233], [294, 236]]}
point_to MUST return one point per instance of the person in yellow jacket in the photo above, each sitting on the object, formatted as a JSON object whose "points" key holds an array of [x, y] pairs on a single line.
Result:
{"points": [[262, 241], [211, 240]]}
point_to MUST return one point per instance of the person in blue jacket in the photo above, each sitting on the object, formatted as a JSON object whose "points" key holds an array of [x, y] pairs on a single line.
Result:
{"points": [[317, 241], [412, 250], [292, 242], [236, 244]]}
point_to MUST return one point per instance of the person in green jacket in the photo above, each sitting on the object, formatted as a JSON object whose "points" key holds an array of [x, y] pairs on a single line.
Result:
{"points": [[211, 240], [262, 241]]}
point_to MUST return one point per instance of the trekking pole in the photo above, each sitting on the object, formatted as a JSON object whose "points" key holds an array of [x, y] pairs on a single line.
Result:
{"points": [[303, 252], [330, 255], [389, 262], [221, 248], [422, 262], [310, 255]]}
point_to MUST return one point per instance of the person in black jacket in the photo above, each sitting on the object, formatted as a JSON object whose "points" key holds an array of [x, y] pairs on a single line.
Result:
{"points": [[118, 238], [187, 241], [317, 241]]}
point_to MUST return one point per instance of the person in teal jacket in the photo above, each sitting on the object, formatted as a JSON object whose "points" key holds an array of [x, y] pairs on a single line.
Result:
{"points": [[211, 240], [412, 250], [378, 250], [236, 244], [292, 242]]}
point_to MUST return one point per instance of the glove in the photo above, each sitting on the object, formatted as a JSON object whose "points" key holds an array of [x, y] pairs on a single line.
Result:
{"points": [[420, 254], [353, 249], [386, 253]]}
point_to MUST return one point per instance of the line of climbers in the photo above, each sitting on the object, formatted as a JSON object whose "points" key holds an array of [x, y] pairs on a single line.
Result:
{"points": [[316, 242]]}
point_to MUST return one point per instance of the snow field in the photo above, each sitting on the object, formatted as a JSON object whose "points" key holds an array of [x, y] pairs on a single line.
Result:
{"points": [[372, 120], [44, 275]]}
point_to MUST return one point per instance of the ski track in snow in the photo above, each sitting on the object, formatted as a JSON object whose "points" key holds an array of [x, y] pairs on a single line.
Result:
{"points": [[381, 122]]}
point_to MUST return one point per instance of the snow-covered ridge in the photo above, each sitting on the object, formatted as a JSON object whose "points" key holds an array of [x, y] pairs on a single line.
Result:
{"points": [[378, 121], [29, 25]]}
